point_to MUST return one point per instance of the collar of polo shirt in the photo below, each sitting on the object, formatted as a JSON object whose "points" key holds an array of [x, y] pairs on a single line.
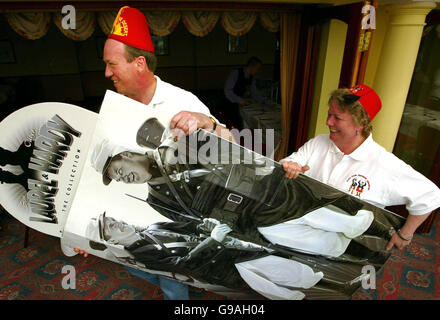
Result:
{"points": [[362, 152], [159, 94]]}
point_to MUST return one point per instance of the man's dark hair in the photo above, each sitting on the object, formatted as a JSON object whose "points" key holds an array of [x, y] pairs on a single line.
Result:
{"points": [[132, 53], [253, 61]]}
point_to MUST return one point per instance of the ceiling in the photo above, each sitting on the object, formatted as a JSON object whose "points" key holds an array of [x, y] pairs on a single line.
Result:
{"points": [[223, 5]]}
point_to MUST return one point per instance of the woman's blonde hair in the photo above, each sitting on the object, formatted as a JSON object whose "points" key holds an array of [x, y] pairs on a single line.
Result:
{"points": [[348, 102]]}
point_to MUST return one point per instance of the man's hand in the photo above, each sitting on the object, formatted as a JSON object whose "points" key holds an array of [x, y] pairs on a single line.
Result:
{"points": [[185, 122], [78, 250], [293, 169]]}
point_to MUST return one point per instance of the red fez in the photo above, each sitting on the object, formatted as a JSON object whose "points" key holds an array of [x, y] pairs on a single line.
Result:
{"points": [[368, 98], [131, 28]]}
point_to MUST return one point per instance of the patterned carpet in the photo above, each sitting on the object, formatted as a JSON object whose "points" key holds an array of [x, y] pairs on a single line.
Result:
{"points": [[410, 275], [34, 273]]}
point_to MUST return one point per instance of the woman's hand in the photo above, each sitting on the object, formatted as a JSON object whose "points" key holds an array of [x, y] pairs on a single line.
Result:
{"points": [[293, 169]]}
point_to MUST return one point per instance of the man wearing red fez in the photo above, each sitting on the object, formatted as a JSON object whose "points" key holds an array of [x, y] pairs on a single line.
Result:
{"points": [[131, 63], [349, 159]]}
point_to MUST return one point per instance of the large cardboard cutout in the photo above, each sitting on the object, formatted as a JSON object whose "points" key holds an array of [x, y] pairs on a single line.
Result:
{"points": [[43, 151], [212, 214]]}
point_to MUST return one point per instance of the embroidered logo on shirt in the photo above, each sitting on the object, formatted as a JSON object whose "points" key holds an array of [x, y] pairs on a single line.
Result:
{"points": [[358, 184]]}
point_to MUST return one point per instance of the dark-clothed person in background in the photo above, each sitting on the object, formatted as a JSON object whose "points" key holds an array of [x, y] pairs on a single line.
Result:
{"points": [[240, 82]]}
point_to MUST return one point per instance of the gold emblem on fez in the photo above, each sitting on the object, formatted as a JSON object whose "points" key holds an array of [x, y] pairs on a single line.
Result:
{"points": [[120, 28]]}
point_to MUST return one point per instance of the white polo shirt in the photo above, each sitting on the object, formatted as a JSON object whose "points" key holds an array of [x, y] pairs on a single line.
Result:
{"points": [[370, 173]]}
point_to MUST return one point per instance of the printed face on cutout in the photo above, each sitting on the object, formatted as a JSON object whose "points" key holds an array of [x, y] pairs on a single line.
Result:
{"points": [[129, 167], [118, 232]]}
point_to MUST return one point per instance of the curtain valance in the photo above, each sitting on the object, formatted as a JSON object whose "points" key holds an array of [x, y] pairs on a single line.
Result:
{"points": [[199, 23]]}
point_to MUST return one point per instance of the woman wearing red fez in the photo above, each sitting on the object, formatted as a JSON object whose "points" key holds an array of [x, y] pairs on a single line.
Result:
{"points": [[349, 159]]}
